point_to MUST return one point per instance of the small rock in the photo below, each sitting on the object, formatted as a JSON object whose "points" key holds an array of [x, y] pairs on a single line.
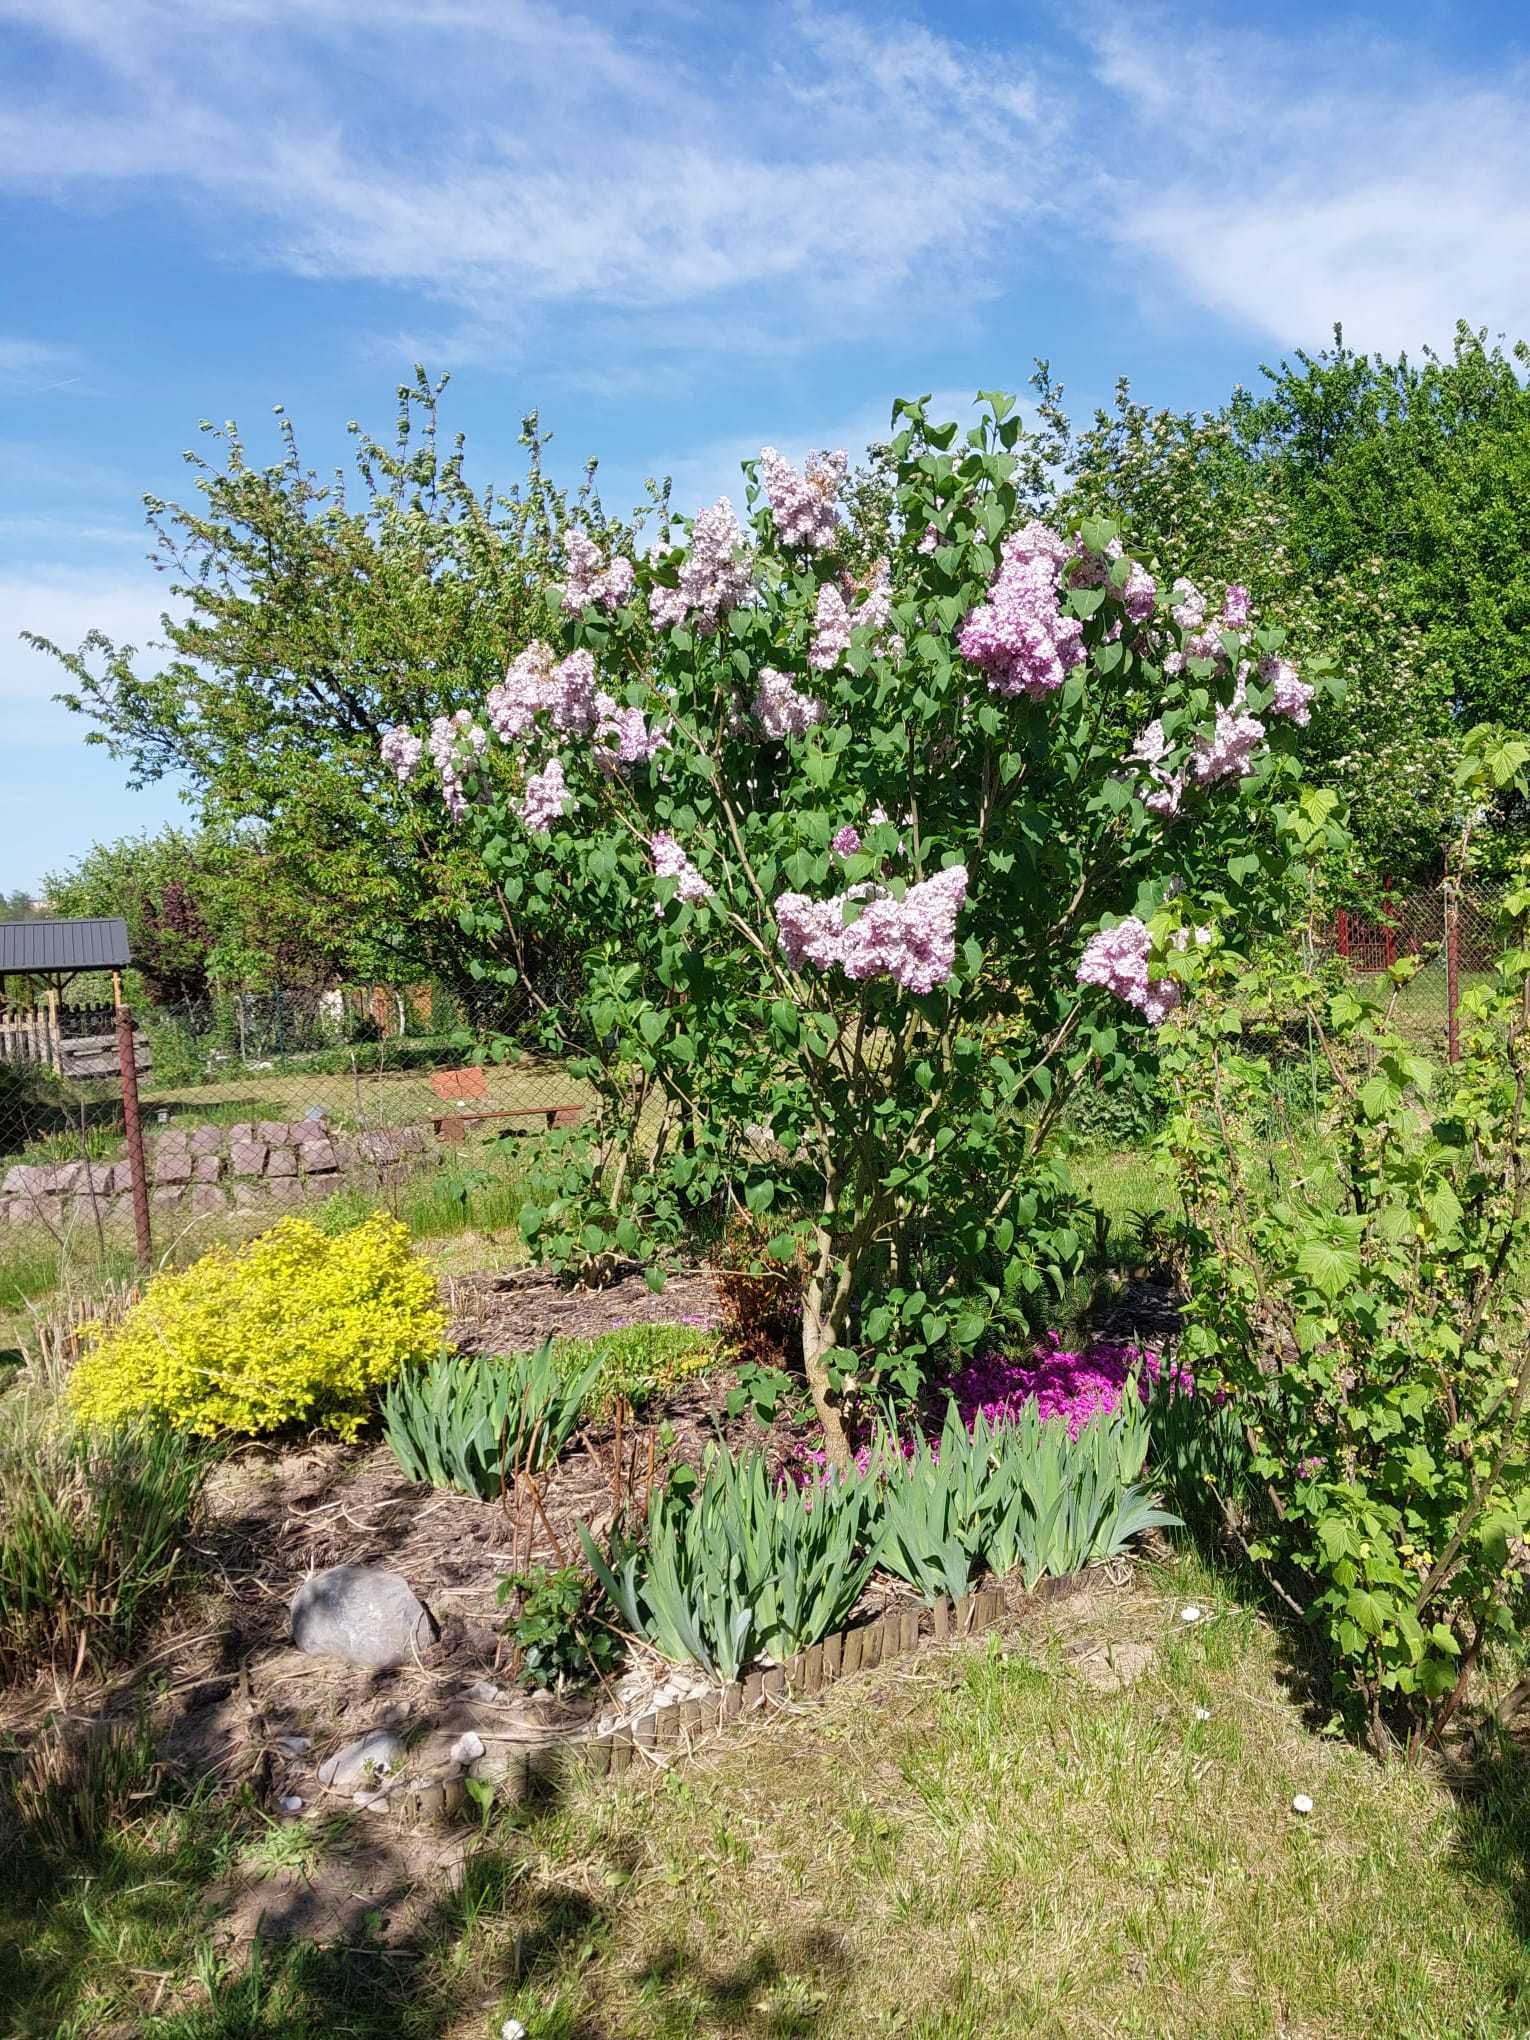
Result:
{"points": [[512, 2029], [291, 1804], [370, 1802], [361, 1614], [466, 1748], [363, 1762], [1190, 1614], [1301, 1804], [1203, 1714], [295, 1745], [486, 1690]]}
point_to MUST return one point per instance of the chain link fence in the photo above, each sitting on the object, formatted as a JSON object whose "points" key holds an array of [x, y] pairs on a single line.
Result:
{"points": [[1454, 932], [299, 1095]]}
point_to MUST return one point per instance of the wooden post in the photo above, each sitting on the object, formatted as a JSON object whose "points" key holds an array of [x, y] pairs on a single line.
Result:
{"points": [[1452, 970], [55, 1032], [132, 1125]]}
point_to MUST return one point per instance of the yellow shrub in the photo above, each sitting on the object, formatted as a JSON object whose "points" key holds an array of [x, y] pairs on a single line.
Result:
{"points": [[295, 1328]]}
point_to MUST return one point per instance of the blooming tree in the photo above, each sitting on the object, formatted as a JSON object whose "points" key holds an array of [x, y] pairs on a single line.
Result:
{"points": [[871, 861]]}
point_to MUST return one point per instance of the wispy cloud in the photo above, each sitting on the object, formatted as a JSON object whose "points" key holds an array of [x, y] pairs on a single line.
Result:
{"points": [[1365, 181], [521, 157]]}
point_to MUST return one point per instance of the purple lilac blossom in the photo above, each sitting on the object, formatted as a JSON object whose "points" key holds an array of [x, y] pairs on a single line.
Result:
{"points": [[1189, 606], [930, 540], [846, 841], [912, 940], [547, 797], [401, 750], [1139, 597], [1292, 695], [716, 573], [589, 582], [1235, 608], [670, 861], [831, 630], [1164, 788], [622, 735], [1117, 959], [780, 710], [1228, 751], [455, 740], [1019, 637], [802, 504]]}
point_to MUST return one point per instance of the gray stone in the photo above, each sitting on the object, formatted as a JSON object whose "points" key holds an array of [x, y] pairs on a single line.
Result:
{"points": [[176, 1142], [207, 1197], [248, 1158], [170, 1195], [274, 1132], [248, 1195], [23, 1180], [242, 1130], [121, 1179], [318, 1157], [283, 1189], [207, 1168], [281, 1161], [71, 1176], [174, 1167], [361, 1764], [361, 1614], [207, 1140]]}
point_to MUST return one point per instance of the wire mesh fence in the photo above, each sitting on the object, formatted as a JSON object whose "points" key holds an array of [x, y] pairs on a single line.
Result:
{"points": [[249, 1105], [1452, 931]]}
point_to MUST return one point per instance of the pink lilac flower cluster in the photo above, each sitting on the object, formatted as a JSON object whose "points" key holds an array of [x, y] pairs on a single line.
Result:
{"points": [[875, 612], [802, 504], [716, 574], [780, 709], [1236, 609], [912, 940], [1072, 1386], [670, 861], [623, 736], [1228, 753], [1292, 696], [589, 582], [1164, 787], [1019, 637], [930, 540], [536, 684], [1117, 959], [455, 740], [846, 841], [831, 630], [401, 751], [547, 797]]}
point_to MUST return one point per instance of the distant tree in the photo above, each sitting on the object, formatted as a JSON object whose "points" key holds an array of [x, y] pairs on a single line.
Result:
{"points": [[314, 617], [17, 906]]}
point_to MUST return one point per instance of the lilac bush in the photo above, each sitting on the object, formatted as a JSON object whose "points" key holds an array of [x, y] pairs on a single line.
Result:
{"points": [[876, 842]]}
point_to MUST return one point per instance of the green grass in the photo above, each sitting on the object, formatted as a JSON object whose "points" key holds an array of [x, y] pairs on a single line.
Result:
{"points": [[641, 1364], [986, 1843]]}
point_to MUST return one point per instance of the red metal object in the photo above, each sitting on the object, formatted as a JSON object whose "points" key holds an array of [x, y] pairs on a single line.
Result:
{"points": [[1343, 932], [1452, 974]]}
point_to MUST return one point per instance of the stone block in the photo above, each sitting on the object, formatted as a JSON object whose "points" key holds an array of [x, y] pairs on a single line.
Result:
{"points": [[283, 1189], [173, 1166], [207, 1168], [120, 1179], [318, 1157], [281, 1161], [208, 1140], [249, 1196], [274, 1132], [70, 1176], [170, 1196], [305, 1131], [248, 1158], [240, 1131], [207, 1197]]}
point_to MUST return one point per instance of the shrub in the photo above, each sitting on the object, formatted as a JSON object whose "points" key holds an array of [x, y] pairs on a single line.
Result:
{"points": [[470, 1422], [559, 1635], [292, 1328], [760, 1317], [94, 1534], [638, 1364], [1364, 1312], [744, 1566]]}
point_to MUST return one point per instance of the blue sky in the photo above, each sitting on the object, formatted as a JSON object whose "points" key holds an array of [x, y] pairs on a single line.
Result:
{"points": [[680, 229]]}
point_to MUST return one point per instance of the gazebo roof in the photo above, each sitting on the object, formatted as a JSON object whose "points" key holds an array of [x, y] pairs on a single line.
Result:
{"points": [[61, 948]]}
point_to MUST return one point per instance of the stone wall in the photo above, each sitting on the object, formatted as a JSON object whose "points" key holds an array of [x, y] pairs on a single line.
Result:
{"points": [[204, 1170]]}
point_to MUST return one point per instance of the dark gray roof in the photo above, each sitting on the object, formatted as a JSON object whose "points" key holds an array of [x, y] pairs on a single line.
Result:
{"points": [[46, 947]]}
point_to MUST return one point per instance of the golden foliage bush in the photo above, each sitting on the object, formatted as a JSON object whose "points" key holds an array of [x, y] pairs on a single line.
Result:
{"points": [[293, 1328]]}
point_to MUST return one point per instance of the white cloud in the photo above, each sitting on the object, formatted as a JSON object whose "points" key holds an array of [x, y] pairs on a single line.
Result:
{"points": [[511, 157], [63, 605], [1363, 182], [37, 364]]}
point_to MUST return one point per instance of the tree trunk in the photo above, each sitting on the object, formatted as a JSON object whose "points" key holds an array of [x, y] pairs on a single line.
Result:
{"points": [[818, 1342]]}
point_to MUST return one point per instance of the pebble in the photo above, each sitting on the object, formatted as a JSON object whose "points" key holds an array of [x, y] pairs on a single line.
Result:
{"points": [[466, 1748], [1301, 1804], [368, 1758], [295, 1745], [291, 1804], [1190, 1614]]}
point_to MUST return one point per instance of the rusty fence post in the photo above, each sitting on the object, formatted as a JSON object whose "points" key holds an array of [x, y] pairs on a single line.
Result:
{"points": [[1452, 971], [127, 1064]]}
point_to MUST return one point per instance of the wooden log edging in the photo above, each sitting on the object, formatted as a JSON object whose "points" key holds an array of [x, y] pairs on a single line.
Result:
{"points": [[905, 1630]]}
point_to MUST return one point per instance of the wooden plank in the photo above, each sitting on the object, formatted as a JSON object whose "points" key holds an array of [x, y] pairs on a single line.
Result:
{"points": [[909, 1625], [850, 1660], [812, 1669], [833, 1650], [942, 1615]]}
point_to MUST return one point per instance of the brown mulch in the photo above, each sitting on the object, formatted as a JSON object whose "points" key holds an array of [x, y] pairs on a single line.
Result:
{"points": [[514, 1312]]}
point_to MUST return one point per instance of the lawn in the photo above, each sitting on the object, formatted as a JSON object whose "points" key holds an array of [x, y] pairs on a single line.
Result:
{"points": [[1081, 1827]]}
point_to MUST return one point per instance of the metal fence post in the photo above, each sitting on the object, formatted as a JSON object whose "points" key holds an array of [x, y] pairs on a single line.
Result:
{"points": [[1452, 970], [132, 1126]]}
